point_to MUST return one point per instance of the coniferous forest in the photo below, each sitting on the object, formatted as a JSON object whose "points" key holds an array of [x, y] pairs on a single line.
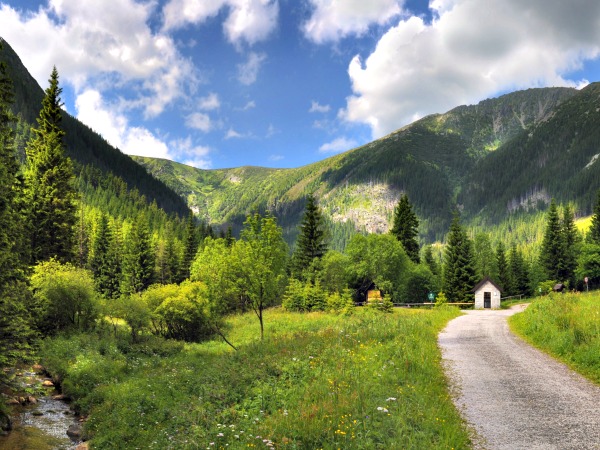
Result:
{"points": [[109, 279]]}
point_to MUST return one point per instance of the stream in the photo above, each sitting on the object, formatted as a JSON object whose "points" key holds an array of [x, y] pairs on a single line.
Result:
{"points": [[42, 425]]}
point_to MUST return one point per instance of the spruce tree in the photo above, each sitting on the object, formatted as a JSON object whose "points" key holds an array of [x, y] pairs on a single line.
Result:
{"points": [[459, 267], [138, 258], [191, 245], [594, 232], [504, 278], [104, 260], [406, 228], [570, 240], [519, 272], [311, 244], [15, 330], [551, 254], [11, 226], [49, 175]]}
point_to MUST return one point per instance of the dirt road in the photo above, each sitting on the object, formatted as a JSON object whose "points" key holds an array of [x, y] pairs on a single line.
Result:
{"points": [[514, 396]]}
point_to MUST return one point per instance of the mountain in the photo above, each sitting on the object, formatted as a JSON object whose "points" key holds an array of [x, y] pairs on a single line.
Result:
{"points": [[434, 161], [85, 147]]}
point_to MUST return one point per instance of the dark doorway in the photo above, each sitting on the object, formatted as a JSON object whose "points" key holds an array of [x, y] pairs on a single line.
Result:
{"points": [[487, 299]]}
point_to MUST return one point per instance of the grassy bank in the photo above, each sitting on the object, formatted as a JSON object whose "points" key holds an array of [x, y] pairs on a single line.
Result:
{"points": [[566, 326], [370, 380]]}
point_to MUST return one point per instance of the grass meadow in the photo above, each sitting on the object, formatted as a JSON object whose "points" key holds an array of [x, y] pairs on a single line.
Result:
{"points": [[567, 326], [364, 381]]}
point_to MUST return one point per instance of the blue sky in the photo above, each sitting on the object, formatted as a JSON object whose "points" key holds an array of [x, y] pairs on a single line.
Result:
{"points": [[283, 83]]}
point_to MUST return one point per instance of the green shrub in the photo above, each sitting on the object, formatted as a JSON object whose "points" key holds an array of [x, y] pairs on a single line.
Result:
{"points": [[64, 297]]}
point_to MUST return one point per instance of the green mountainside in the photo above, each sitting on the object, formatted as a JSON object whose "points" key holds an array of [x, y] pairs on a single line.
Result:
{"points": [[432, 160], [93, 156]]}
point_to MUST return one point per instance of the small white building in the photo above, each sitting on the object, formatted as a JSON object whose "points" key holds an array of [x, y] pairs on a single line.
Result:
{"points": [[487, 294]]}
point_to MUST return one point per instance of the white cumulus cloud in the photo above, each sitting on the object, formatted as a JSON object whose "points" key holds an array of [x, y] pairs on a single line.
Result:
{"points": [[470, 51], [332, 20], [111, 46], [210, 102], [199, 121], [247, 21], [115, 128], [338, 145]]}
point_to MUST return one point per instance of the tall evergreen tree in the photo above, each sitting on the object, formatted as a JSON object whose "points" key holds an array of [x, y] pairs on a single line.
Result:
{"points": [[49, 179], [459, 267], [594, 232], [551, 253], [504, 278], [11, 225], [406, 228], [15, 330], [311, 244], [191, 245], [138, 259], [104, 261], [570, 240], [519, 273]]}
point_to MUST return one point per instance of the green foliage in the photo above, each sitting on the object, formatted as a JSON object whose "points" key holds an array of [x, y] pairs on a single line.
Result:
{"points": [[138, 258], [405, 228], [503, 277], [184, 315], [104, 261], [383, 304], [588, 264], [341, 303], [566, 325], [306, 296], [64, 297], [334, 271], [311, 243], [380, 260], [545, 287], [261, 256], [594, 231], [459, 270], [519, 273], [419, 282], [49, 177], [311, 389], [440, 300]]}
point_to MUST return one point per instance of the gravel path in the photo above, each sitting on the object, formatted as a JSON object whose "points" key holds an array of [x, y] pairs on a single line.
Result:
{"points": [[512, 395]]}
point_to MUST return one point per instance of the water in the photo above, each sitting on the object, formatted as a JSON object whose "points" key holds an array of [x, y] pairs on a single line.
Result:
{"points": [[40, 426]]}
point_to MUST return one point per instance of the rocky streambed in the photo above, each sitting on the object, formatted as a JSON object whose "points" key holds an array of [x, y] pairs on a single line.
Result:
{"points": [[41, 418]]}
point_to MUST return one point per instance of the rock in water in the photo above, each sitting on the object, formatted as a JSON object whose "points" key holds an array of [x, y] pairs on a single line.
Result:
{"points": [[5, 423], [74, 431]]}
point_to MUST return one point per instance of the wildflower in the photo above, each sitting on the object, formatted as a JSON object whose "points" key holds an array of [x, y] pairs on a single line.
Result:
{"points": [[390, 399], [220, 435], [382, 409]]}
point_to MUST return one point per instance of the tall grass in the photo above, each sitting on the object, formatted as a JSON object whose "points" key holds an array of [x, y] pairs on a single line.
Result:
{"points": [[370, 380], [567, 326]]}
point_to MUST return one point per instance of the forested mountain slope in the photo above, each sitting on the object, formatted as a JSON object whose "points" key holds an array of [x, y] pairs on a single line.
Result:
{"points": [[431, 160], [84, 146], [556, 158]]}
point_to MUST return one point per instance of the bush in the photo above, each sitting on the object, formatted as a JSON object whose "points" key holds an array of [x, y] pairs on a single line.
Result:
{"points": [[381, 304], [341, 303], [441, 300], [64, 297], [185, 314]]}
